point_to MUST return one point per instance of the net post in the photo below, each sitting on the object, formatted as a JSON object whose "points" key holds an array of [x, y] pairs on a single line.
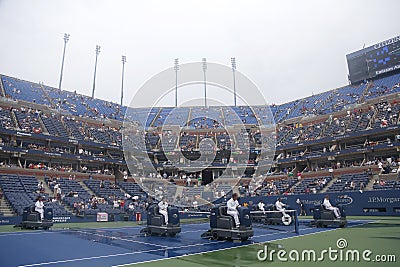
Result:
{"points": [[296, 222]]}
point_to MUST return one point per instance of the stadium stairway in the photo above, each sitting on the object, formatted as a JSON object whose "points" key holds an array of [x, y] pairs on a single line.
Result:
{"points": [[123, 190], [179, 191], [370, 184], [365, 92], [2, 91], [5, 208], [46, 94], [47, 189], [331, 182], [296, 184], [14, 118], [50, 192], [44, 129], [373, 118], [155, 118], [86, 187]]}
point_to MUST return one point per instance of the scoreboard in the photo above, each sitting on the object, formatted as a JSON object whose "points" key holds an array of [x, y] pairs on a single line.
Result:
{"points": [[372, 61]]}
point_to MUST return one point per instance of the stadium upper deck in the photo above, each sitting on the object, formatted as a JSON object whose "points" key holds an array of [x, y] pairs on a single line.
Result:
{"points": [[84, 106], [341, 124]]}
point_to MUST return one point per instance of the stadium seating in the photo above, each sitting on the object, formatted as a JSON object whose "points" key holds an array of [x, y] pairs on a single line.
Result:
{"points": [[90, 129], [109, 191], [386, 185], [384, 86], [132, 189], [311, 185], [28, 120], [6, 121], [277, 187], [54, 126], [343, 183], [21, 191], [70, 188], [23, 90]]}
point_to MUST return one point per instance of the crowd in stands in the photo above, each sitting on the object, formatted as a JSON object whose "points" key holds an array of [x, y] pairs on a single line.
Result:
{"points": [[22, 191], [108, 197], [381, 115], [87, 107], [80, 117]]}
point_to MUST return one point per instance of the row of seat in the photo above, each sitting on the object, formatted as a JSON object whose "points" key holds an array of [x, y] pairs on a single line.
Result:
{"points": [[22, 191], [80, 105]]}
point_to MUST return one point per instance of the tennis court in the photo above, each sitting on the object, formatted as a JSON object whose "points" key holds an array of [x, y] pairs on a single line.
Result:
{"points": [[99, 247]]}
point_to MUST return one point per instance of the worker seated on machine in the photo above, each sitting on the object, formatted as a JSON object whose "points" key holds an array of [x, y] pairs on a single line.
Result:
{"points": [[39, 207], [328, 206], [232, 206], [261, 206], [280, 206], [163, 209]]}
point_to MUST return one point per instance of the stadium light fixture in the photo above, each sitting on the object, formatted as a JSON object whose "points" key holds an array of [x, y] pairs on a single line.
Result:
{"points": [[66, 39], [176, 68], [95, 69], [204, 60], [123, 60], [233, 62]]}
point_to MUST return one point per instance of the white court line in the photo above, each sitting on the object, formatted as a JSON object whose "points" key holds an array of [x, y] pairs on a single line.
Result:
{"points": [[131, 253], [222, 249], [200, 244], [115, 255], [122, 239], [27, 233], [195, 231], [133, 226], [60, 230]]}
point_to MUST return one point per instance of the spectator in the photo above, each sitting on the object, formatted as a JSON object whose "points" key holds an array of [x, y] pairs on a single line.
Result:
{"points": [[380, 166], [331, 171], [352, 185], [115, 204], [55, 189], [131, 207], [362, 187], [125, 173]]}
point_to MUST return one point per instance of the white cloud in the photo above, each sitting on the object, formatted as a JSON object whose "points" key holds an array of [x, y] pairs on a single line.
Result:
{"points": [[291, 49]]}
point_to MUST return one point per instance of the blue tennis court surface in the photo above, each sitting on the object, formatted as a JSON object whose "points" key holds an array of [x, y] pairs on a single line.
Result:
{"points": [[118, 246]]}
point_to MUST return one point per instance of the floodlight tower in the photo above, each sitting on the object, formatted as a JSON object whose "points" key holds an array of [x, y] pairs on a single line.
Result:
{"points": [[205, 80], [176, 68], [122, 79], [66, 39], [95, 69], [233, 62]]}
